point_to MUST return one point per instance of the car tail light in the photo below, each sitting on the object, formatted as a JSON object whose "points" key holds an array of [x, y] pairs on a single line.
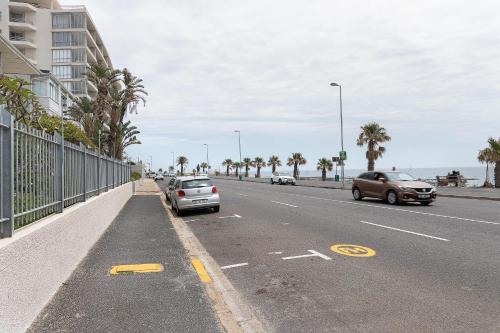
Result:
{"points": [[214, 189], [181, 194]]}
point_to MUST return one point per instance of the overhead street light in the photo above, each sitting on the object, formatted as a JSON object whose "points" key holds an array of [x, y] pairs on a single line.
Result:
{"points": [[333, 84], [239, 144], [208, 163]]}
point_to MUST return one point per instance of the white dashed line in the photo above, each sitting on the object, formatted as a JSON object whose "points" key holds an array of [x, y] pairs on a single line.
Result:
{"points": [[232, 216], [285, 204], [407, 231], [243, 195], [235, 265], [191, 220], [278, 252]]}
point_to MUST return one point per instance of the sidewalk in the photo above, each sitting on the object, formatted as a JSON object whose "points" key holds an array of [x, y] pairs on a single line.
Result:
{"points": [[451, 192], [172, 300]]}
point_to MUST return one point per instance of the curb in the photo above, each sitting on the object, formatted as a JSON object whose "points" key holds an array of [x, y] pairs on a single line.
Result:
{"points": [[468, 197]]}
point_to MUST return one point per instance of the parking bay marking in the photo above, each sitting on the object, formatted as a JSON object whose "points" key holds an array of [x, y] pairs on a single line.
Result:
{"points": [[313, 254], [407, 231], [285, 204], [191, 220], [232, 216], [235, 265]]}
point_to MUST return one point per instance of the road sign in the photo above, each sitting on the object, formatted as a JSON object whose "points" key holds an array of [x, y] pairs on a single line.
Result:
{"points": [[343, 155], [335, 159]]}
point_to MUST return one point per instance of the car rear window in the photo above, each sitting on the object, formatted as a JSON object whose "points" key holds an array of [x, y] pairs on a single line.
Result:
{"points": [[196, 183]]}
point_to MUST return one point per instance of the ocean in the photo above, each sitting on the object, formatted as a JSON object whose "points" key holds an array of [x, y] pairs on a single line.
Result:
{"points": [[475, 175]]}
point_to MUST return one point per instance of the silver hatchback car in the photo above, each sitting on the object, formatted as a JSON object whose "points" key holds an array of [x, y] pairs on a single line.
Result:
{"points": [[191, 193]]}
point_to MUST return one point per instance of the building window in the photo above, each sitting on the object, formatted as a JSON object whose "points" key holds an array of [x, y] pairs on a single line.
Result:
{"points": [[68, 21], [54, 93], [68, 55], [78, 87], [14, 35], [16, 17], [78, 72], [62, 72], [39, 88], [68, 38]]}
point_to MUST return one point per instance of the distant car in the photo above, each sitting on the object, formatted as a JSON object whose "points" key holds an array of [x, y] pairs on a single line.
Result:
{"points": [[282, 178], [159, 177], [394, 187], [192, 193], [171, 174]]}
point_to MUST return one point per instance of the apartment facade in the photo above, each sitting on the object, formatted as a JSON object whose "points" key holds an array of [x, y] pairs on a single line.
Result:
{"points": [[55, 38], [51, 93]]}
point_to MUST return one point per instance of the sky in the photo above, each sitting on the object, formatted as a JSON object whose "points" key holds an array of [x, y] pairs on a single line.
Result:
{"points": [[427, 71]]}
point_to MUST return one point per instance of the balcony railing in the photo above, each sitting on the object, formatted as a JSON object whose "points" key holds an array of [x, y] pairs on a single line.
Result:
{"points": [[17, 38], [16, 19]]}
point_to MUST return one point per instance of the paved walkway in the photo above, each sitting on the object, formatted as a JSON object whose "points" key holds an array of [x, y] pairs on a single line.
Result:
{"points": [[454, 192], [92, 300]]}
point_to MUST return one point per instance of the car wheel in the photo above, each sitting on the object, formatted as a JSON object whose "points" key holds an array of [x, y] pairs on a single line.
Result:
{"points": [[425, 203], [280, 182], [166, 197], [356, 193], [392, 197], [216, 209], [272, 181]]}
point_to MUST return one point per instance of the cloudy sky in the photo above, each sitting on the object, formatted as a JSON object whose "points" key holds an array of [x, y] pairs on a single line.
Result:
{"points": [[428, 71]]}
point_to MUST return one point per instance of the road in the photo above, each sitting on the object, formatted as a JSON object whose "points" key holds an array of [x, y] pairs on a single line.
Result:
{"points": [[434, 269]]}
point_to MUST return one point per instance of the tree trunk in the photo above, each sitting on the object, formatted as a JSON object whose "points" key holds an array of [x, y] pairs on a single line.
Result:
{"points": [[371, 165], [274, 168], [182, 169], [323, 174], [246, 171], [295, 169], [497, 174], [237, 171], [227, 171], [258, 172]]}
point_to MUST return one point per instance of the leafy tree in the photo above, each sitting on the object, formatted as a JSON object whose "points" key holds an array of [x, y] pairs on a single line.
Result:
{"points": [[373, 135], [258, 163], [72, 133], [324, 164], [237, 166], [198, 168], [182, 161], [228, 163], [204, 166], [274, 161], [160, 170], [491, 155], [171, 168], [19, 100], [247, 163], [295, 160]]}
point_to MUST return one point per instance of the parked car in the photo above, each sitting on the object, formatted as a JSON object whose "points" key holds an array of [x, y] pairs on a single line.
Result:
{"points": [[159, 177], [282, 178], [394, 187], [170, 188], [193, 192]]}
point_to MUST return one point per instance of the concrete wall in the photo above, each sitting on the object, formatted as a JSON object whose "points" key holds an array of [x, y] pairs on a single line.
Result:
{"points": [[40, 257]]}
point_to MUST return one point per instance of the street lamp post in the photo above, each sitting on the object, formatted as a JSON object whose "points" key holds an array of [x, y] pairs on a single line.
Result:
{"points": [[151, 163], [208, 164], [333, 84], [239, 144], [173, 160]]}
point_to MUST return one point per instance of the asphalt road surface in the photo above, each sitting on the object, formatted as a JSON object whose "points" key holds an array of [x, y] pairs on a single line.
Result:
{"points": [[421, 269]]}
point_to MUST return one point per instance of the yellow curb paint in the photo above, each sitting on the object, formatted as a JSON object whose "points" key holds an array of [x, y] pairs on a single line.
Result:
{"points": [[136, 268], [352, 250], [200, 269]]}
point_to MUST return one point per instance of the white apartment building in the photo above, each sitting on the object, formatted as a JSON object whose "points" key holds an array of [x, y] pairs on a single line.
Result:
{"points": [[51, 93], [60, 39]]}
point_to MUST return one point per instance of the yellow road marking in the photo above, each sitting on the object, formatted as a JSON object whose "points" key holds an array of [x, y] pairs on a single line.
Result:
{"points": [[353, 250], [136, 268], [200, 269]]}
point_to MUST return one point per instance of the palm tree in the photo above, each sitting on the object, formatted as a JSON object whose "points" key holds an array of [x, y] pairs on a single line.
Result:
{"points": [[372, 135], [237, 166], [82, 111], [126, 135], [160, 170], [228, 163], [247, 163], [296, 159], [204, 166], [198, 168], [258, 162], [492, 154], [182, 161], [133, 93], [324, 164], [486, 156], [274, 161], [171, 168]]}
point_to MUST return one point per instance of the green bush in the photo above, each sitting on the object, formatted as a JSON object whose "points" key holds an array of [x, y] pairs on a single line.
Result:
{"points": [[72, 133], [135, 176]]}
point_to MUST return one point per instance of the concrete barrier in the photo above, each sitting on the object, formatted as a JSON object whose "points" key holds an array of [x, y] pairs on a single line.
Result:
{"points": [[40, 257]]}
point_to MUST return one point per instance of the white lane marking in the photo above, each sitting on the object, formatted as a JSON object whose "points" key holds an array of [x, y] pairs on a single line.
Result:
{"points": [[191, 220], [313, 254], [285, 204], [407, 231], [228, 217], [235, 265], [395, 209], [286, 223], [278, 252], [243, 195]]}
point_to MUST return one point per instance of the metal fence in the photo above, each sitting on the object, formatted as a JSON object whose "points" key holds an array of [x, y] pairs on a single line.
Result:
{"points": [[40, 174]]}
